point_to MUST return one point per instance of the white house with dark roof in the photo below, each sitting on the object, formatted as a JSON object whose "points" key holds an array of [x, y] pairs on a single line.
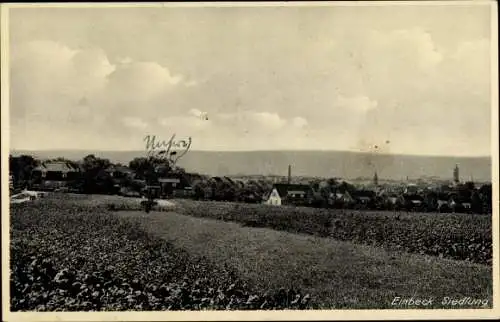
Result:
{"points": [[288, 194]]}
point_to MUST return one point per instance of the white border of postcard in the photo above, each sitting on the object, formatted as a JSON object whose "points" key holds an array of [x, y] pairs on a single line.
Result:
{"points": [[248, 315]]}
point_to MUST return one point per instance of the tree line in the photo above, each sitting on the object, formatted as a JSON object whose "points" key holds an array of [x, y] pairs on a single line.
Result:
{"points": [[94, 174], [94, 177]]}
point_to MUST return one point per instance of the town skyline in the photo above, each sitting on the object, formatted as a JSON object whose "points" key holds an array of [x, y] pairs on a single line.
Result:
{"points": [[325, 163]]}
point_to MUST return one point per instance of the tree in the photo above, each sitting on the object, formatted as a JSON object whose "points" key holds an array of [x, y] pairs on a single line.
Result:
{"points": [[95, 177], [22, 167], [200, 189], [476, 202], [250, 194], [464, 191], [93, 163], [140, 166], [431, 201], [324, 194], [333, 182], [486, 198], [346, 187], [147, 166], [224, 191], [469, 185], [314, 185]]}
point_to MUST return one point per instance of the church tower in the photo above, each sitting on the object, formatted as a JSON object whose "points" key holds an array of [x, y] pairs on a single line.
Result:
{"points": [[456, 174]]}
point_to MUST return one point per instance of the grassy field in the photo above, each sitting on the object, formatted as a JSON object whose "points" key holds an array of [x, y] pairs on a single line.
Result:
{"points": [[337, 274], [455, 236]]}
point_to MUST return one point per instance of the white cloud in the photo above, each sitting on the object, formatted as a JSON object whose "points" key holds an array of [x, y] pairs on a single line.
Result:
{"points": [[198, 114], [53, 82], [299, 122], [469, 67], [185, 125], [135, 122], [414, 45], [42, 53], [251, 121], [267, 120], [191, 83], [140, 82], [361, 104], [125, 60]]}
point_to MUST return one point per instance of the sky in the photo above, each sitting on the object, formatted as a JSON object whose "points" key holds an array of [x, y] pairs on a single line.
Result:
{"points": [[392, 79]]}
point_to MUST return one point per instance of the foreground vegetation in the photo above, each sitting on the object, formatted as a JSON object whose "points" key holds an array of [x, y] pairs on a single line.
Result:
{"points": [[455, 236], [465, 237], [70, 257], [337, 274], [70, 253]]}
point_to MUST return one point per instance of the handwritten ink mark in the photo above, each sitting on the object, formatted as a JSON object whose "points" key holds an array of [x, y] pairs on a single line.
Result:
{"points": [[162, 149]]}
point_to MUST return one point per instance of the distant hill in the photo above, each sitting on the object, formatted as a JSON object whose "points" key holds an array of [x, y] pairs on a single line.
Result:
{"points": [[306, 163]]}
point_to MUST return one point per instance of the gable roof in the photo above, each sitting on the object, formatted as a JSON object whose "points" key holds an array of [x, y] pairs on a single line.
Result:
{"points": [[284, 188], [217, 179], [228, 180], [56, 166]]}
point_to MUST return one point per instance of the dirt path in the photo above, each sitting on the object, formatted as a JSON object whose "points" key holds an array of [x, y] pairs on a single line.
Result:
{"points": [[339, 274]]}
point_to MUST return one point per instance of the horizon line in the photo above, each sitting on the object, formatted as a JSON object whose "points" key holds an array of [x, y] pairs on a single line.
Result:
{"points": [[271, 150]]}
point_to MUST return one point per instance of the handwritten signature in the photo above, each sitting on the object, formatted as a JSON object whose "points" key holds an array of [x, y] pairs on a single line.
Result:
{"points": [[167, 149]]}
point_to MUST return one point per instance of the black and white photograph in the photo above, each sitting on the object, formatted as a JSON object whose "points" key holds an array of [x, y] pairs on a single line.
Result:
{"points": [[217, 157]]}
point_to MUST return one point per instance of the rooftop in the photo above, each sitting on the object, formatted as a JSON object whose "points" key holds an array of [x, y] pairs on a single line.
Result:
{"points": [[284, 188], [56, 166]]}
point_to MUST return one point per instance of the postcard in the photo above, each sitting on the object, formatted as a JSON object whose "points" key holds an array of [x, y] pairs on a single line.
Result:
{"points": [[250, 161]]}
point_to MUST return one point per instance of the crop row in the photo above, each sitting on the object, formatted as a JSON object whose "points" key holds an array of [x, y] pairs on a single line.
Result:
{"points": [[66, 257], [453, 236]]}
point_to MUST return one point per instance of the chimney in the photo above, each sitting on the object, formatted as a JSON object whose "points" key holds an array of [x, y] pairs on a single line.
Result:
{"points": [[289, 174]]}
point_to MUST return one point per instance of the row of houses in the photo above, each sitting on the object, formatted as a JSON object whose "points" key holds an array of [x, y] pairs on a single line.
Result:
{"points": [[61, 175], [300, 194], [304, 195], [66, 176]]}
